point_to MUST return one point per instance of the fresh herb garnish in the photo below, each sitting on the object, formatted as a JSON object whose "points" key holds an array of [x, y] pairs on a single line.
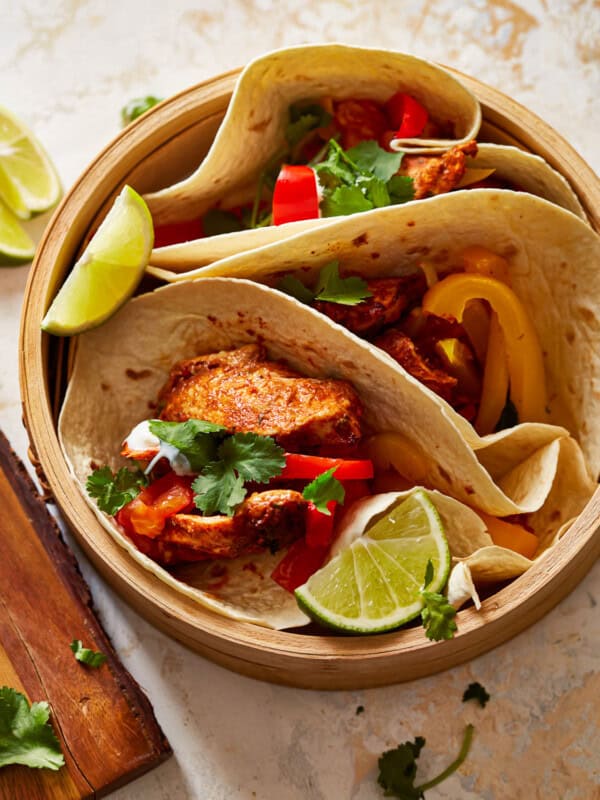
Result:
{"points": [[437, 614], [304, 119], [113, 491], [323, 489], [194, 439], [329, 287], [360, 710], [398, 768], [26, 736], [92, 658], [216, 221], [240, 457], [475, 691], [138, 106]]}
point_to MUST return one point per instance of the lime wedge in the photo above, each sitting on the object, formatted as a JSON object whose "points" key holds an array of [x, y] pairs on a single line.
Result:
{"points": [[28, 181], [16, 247], [375, 584], [109, 270]]}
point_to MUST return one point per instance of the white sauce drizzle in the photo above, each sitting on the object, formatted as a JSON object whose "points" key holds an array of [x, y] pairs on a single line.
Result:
{"points": [[141, 439]]}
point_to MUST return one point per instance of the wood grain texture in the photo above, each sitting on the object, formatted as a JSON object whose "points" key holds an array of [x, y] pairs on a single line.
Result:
{"points": [[105, 723], [304, 660]]}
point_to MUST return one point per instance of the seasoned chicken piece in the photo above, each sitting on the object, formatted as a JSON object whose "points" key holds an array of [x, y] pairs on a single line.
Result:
{"points": [[265, 520], [390, 297], [244, 392], [437, 174], [403, 350]]}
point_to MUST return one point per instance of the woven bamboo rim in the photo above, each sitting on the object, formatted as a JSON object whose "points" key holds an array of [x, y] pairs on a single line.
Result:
{"points": [[308, 661]]}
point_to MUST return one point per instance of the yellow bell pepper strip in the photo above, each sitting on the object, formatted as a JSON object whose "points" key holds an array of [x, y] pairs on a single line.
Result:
{"points": [[494, 388], [394, 450], [511, 535], [450, 296], [485, 262], [459, 362]]}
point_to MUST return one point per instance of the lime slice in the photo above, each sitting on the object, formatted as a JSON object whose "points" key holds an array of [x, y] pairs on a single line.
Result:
{"points": [[109, 270], [375, 584], [28, 181], [16, 247]]}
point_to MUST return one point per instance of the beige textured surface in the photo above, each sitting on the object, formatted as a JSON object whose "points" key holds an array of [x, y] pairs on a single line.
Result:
{"points": [[67, 67]]}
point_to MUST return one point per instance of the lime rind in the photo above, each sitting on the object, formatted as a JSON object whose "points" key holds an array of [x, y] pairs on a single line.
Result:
{"points": [[29, 183], [16, 246], [374, 585], [109, 270]]}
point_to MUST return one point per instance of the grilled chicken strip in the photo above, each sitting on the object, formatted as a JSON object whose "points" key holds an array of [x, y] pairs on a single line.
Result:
{"points": [[265, 520], [437, 174], [243, 391], [389, 298]]}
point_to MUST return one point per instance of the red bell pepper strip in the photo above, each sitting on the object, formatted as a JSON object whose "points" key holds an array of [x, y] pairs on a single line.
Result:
{"points": [[178, 232], [298, 564], [147, 513], [407, 115], [296, 194], [353, 491], [303, 467], [319, 526]]}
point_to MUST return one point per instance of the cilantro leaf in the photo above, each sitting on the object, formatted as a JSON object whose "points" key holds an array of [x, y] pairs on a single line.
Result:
{"points": [[112, 492], [333, 289], [240, 457], [194, 439], [428, 574], [216, 221], [138, 106], [323, 489], [369, 157], [344, 200], [398, 768], [303, 119], [26, 736], [475, 691], [218, 489], [93, 658], [401, 189], [438, 616], [295, 288]]}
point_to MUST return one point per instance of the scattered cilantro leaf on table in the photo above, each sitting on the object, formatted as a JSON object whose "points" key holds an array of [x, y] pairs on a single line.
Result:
{"points": [[26, 736], [138, 106], [475, 691], [194, 439], [330, 287], [323, 489], [398, 768], [113, 491], [240, 457], [93, 658]]}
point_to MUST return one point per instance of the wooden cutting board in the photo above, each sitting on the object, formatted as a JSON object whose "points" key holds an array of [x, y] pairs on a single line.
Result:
{"points": [[105, 723]]}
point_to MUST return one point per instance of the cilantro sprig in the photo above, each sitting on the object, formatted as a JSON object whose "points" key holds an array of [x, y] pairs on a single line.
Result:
{"points": [[113, 491], [437, 615], [93, 658], [329, 287], [26, 736], [475, 691], [323, 489], [303, 120], [398, 768], [138, 106], [195, 439]]}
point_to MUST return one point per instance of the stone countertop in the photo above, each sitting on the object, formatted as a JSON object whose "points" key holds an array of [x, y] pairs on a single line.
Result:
{"points": [[67, 67]]}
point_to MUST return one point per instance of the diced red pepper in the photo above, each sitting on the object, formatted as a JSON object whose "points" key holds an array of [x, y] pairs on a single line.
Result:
{"points": [[303, 467], [355, 490], [178, 232], [298, 564], [296, 194], [407, 115], [319, 526], [147, 513]]}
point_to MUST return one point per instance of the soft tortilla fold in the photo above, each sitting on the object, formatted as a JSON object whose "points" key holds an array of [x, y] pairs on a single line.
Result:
{"points": [[524, 170], [253, 130], [120, 367], [554, 261]]}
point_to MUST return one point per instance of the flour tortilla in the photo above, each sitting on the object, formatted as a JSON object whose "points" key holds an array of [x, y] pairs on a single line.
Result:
{"points": [[120, 367], [524, 170], [253, 129], [554, 260]]}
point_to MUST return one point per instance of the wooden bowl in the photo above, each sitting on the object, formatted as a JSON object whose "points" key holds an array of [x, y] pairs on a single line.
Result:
{"points": [[163, 146]]}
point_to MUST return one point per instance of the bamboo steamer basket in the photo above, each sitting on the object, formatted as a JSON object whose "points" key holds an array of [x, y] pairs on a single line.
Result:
{"points": [[160, 148]]}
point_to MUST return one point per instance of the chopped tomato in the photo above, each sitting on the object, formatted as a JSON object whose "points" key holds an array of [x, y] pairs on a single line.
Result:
{"points": [[296, 194], [319, 526], [178, 232], [360, 121], [299, 466], [146, 514], [407, 115], [298, 564]]}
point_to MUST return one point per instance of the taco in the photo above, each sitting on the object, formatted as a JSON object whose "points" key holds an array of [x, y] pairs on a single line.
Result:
{"points": [[212, 328], [551, 260]]}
